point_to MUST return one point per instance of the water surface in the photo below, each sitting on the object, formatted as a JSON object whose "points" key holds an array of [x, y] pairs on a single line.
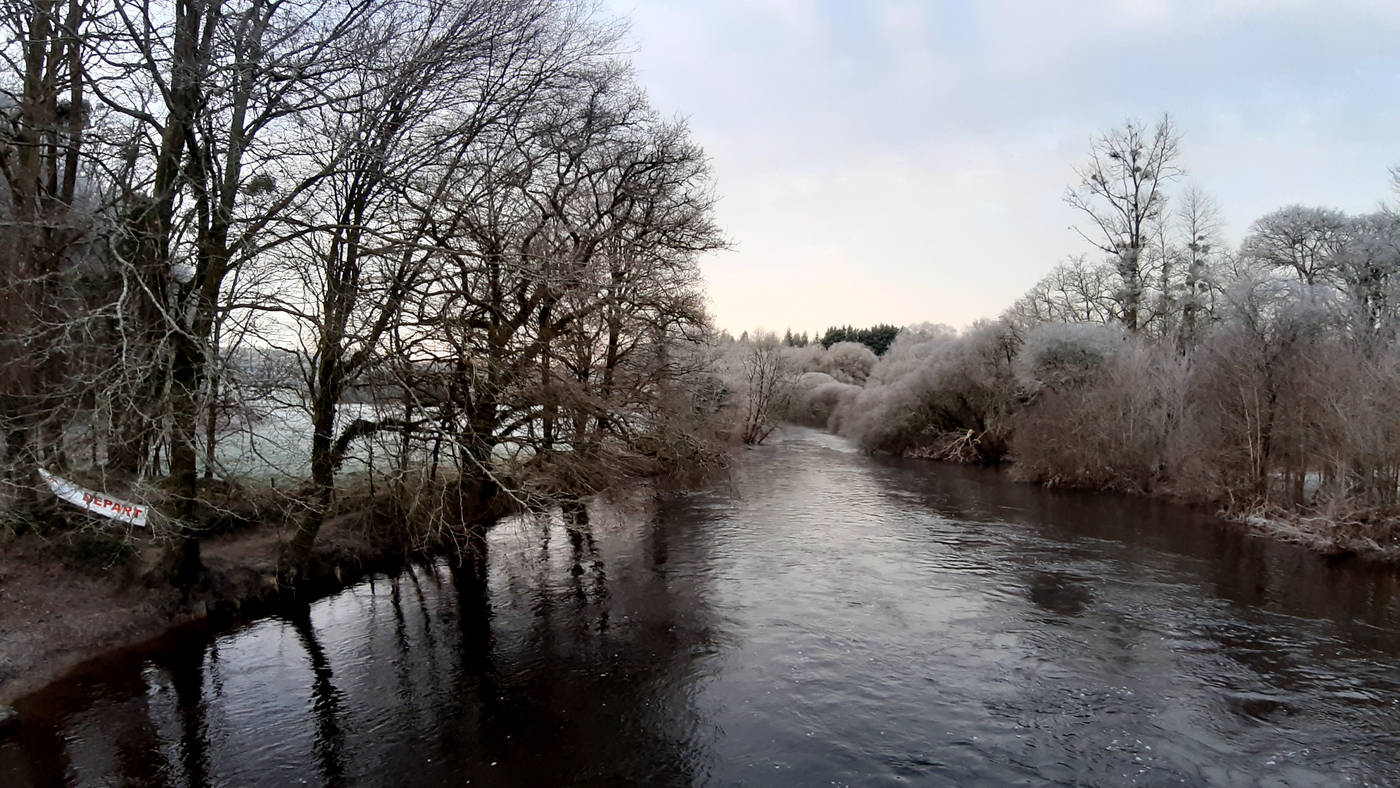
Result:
{"points": [[825, 618]]}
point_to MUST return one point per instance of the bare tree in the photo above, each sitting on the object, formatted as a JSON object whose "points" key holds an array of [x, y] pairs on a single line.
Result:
{"points": [[461, 211], [1122, 191], [459, 81], [42, 117], [766, 381], [510, 256], [214, 90], [1075, 291]]}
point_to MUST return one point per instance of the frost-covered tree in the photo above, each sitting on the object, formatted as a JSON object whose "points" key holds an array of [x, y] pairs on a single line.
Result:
{"points": [[1122, 191], [1302, 240], [1199, 222], [1075, 291], [1368, 265], [766, 379]]}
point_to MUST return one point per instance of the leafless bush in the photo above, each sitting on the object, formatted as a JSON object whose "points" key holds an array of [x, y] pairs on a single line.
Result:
{"points": [[1103, 424]]}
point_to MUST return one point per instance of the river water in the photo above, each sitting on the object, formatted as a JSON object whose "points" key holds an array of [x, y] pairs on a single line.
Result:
{"points": [[825, 618]]}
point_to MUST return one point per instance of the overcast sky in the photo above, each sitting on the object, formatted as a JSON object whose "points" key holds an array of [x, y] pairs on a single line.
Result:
{"points": [[905, 161]]}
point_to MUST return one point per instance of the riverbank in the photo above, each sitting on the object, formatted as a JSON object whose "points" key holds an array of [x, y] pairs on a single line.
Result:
{"points": [[1363, 535], [66, 600], [1368, 534], [56, 613], [1335, 532]]}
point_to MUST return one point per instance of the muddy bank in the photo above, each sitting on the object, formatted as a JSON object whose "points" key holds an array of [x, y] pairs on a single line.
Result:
{"points": [[54, 615]]}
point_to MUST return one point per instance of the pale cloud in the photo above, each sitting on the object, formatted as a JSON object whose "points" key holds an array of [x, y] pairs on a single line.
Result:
{"points": [[902, 20], [901, 161]]}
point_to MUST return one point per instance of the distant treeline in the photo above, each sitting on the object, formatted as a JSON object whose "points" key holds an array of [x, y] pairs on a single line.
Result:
{"points": [[877, 338]]}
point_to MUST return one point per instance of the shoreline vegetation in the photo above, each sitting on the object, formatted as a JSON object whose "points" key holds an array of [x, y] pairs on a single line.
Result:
{"points": [[1258, 380], [1090, 406]]}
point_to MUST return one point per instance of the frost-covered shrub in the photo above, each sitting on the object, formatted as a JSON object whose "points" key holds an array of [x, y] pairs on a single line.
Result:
{"points": [[910, 351], [1108, 422], [885, 417], [824, 401], [1062, 355], [848, 362], [815, 395], [926, 396], [804, 359]]}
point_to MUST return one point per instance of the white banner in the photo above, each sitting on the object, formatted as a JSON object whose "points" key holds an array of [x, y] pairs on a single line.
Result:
{"points": [[96, 502]]}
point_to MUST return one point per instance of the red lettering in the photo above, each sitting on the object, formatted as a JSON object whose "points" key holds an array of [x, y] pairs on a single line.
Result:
{"points": [[87, 497], [136, 511], [126, 509]]}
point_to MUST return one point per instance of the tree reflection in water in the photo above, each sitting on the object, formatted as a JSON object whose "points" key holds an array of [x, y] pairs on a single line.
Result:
{"points": [[835, 617]]}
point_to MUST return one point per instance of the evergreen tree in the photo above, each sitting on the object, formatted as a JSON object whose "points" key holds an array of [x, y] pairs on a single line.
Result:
{"points": [[877, 338]]}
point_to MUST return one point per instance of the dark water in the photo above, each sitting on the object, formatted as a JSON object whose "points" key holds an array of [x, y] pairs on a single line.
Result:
{"points": [[832, 619]]}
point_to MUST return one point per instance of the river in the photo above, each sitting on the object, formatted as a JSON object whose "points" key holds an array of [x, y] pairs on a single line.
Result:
{"points": [[824, 618]]}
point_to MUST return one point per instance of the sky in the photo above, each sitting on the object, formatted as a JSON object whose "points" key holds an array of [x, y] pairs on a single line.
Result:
{"points": [[899, 162]]}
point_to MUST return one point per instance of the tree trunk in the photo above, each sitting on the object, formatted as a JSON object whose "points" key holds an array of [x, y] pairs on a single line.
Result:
{"points": [[183, 560], [324, 406]]}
